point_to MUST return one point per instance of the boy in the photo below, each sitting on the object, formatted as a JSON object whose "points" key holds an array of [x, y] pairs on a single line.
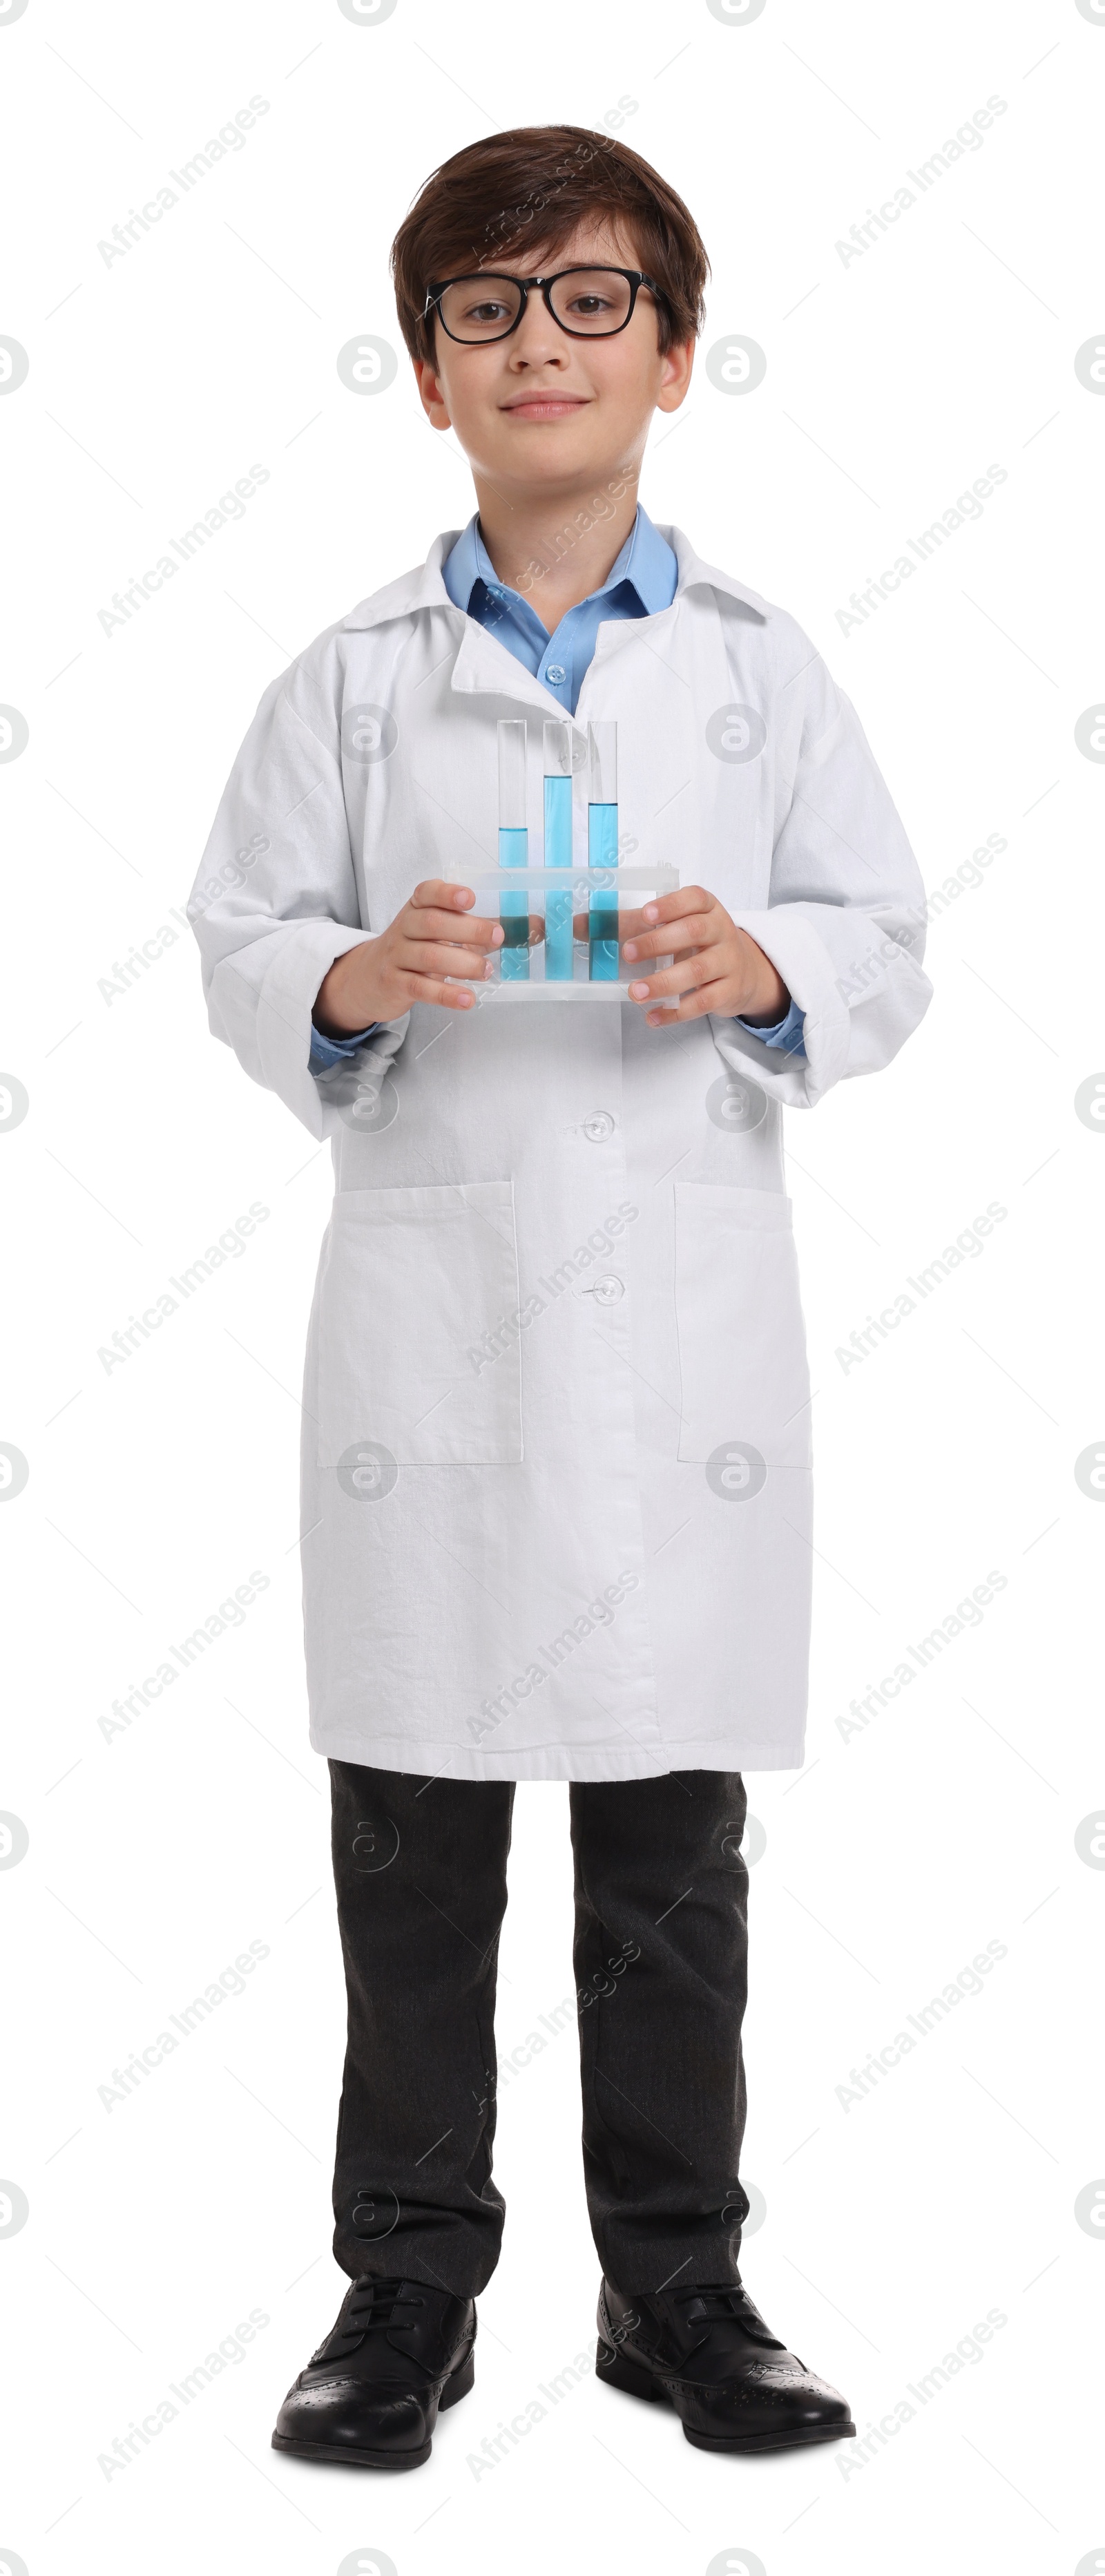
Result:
{"points": [[555, 1427]]}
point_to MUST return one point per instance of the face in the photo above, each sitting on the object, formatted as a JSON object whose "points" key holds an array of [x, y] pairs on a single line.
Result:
{"points": [[540, 411]]}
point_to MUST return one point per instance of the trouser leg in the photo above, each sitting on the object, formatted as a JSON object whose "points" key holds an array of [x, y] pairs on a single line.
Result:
{"points": [[420, 1874], [661, 1955]]}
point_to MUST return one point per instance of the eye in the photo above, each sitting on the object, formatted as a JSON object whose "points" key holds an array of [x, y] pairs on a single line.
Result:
{"points": [[488, 311]]}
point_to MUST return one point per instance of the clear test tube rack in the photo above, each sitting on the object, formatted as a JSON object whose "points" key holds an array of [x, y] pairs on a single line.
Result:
{"points": [[583, 910]]}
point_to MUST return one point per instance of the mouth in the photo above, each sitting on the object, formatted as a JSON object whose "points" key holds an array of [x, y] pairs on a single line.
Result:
{"points": [[545, 406]]}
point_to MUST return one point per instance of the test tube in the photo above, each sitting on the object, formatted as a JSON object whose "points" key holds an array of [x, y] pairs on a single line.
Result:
{"points": [[558, 850], [602, 849], [513, 851]]}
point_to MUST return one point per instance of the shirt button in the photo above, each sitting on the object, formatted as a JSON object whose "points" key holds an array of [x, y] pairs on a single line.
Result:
{"points": [[598, 1127], [556, 673]]}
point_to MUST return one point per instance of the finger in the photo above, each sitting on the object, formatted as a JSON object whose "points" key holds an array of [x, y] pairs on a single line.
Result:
{"points": [[675, 907], [473, 930], [696, 1003], [702, 968], [590, 926], [631, 921], [440, 891], [425, 957], [696, 931], [426, 988], [693, 1006]]}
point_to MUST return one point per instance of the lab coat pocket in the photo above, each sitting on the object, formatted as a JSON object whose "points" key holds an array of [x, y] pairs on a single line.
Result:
{"points": [[742, 1344], [416, 1292]]}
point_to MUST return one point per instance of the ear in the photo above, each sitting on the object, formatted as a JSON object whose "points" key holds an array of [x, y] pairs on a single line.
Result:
{"points": [[676, 365], [432, 394]]}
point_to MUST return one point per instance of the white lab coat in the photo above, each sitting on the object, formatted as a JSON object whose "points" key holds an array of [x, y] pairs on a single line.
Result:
{"points": [[556, 1439]]}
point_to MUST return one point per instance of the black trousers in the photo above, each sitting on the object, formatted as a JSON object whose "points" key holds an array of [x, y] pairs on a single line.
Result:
{"points": [[660, 1958]]}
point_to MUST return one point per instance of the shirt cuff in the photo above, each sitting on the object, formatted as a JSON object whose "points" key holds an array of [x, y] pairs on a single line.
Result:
{"points": [[326, 1052], [789, 1034]]}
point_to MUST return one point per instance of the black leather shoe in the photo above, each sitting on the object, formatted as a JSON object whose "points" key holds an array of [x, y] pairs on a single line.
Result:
{"points": [[710, 2355], [369, 2396]]}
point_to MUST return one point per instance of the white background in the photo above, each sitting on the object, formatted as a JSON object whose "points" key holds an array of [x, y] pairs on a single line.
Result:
{"points": [[154, 1489]]}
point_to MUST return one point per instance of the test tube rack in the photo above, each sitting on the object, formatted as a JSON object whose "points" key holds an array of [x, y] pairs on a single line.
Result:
{"points": [[563, 924]]}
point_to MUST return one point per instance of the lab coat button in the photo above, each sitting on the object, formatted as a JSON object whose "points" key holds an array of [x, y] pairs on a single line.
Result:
{"points": [[598, 1126], [606, 1291]]}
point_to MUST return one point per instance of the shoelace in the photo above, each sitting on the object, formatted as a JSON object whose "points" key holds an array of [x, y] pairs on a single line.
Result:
{"points": [[727, 2301], [374, 2302], [722, 2304], [372, 2306]]}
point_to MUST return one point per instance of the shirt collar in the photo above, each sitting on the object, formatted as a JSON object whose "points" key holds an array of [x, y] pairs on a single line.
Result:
{"points": [[424, 586], [645, 560]]}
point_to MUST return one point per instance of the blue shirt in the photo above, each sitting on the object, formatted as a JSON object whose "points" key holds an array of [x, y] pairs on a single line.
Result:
{"points": [[641, 581]]}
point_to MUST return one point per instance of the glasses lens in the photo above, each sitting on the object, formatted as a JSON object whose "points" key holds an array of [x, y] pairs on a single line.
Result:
{"points": [[480, 308], [591, 300]]}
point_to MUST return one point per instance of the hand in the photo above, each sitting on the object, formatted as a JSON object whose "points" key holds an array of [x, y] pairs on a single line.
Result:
{"points": [[427, 941], [717, 967]]}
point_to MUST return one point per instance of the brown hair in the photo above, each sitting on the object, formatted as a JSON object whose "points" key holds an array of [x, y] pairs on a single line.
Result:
{"points": [[535, 184]]}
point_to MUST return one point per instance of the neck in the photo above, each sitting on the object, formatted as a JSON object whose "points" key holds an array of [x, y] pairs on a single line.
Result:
{"points": [[559, 548]]}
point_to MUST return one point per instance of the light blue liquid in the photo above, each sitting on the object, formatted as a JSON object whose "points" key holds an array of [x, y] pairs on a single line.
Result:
{"points": [[602, 852], [514, 908], [558, 854]]}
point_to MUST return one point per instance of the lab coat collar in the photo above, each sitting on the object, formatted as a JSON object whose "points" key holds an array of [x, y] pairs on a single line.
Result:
{"points": [[424, 588]]}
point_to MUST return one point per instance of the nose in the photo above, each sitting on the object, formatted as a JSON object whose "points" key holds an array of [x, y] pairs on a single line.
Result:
{"points": [[537, 342]]}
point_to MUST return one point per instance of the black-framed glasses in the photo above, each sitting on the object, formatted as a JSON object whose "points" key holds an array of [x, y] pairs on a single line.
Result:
{"points": [[587, 303]]}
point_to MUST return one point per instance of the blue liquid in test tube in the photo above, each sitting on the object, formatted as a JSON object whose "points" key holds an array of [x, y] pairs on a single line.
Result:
{"points": [[602, 850], [513, 852], [558, 850]]}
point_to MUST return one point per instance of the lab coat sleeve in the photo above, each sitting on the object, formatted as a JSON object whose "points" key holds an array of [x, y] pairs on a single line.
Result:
{"points": [[275, 899], [845, 922]]}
